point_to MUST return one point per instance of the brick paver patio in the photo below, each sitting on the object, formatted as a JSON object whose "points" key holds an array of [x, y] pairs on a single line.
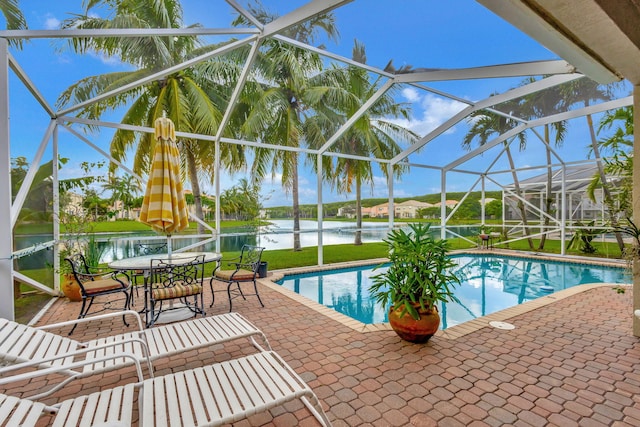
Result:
{"points": [[572, 362]]}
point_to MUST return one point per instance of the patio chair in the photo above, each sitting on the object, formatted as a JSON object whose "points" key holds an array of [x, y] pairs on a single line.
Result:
{"points": [[213, 395], [169, 281], [22, 344], [245, 270], [95, 283], [142, 249]]}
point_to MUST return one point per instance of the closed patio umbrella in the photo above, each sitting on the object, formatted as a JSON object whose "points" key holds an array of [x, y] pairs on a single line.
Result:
{"points": [[164, 207]]}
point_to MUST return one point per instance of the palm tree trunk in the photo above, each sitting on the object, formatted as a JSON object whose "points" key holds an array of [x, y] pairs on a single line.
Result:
{"points": [[296, 205], [521, 207], [195, 185], [606, 193], [358, 239], [548, 197]]}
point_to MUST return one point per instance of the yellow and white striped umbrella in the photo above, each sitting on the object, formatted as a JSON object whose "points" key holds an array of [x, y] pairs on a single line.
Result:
{"points": [[164, 207]]}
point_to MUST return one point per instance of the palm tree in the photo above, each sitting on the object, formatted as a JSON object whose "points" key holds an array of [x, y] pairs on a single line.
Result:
{"points": [[486, 124], [542, 104], [620, 164], [14, 18], [370, 135], [123, 189], [622, 138], [186, 97], [585, 91], [294, 89]]}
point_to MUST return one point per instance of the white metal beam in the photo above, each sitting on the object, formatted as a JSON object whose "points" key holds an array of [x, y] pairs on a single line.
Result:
{"points": [[186, 135], [443, 204], [31, 173], [301, 14], [592, 109], [524, 201], [155, 76], [34, 284], [102, 152], [123, 32], [457, 206], [539, 68], [335, 56], [363, 109], [244, 12], [6, 230], [546, 144], [244, 74], [56, 208], [514, 93], [22, 75], [320, 209]]}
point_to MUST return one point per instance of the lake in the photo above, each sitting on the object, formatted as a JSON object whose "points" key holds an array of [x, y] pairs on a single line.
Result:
{"points": [[277, 235]]}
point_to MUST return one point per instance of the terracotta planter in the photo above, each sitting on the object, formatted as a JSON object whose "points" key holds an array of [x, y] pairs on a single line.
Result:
{"points": [[417, 331], [70, 288]]}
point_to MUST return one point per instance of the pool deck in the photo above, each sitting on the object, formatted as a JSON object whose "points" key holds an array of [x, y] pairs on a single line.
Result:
{"points": [[570, 361]]}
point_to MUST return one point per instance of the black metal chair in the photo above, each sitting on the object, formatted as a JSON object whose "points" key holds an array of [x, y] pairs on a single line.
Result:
{"points": [[96, 282], [245, 270], [179, 280], [145, 249]]}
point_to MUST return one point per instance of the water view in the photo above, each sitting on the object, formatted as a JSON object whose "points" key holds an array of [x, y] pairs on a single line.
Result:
{"points": [[277, 235]]}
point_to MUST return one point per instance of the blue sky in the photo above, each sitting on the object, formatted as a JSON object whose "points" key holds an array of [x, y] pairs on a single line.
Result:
{"points": [[428, 34]]}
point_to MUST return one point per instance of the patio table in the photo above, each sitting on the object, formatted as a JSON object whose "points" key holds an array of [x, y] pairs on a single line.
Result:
{"points": [[143, 263]]}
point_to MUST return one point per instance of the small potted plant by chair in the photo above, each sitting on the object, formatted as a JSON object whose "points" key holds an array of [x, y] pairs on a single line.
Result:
{"points": [[418, 278]]}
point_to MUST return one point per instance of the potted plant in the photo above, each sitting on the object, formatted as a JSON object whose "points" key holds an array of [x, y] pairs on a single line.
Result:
{"points": [[418, 278], [78, 237]]}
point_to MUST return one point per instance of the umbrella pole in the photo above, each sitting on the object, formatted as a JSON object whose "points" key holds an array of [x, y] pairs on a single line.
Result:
{"points": [[169, 248]]}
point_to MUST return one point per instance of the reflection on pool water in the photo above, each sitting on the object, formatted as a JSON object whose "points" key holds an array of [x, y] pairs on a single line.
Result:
{"points": [[488, 284]]}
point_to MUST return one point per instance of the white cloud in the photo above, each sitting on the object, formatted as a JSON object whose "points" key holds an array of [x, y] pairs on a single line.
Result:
{"points": [[107, 60], [411, 94], [432, 112], [51, 22]]}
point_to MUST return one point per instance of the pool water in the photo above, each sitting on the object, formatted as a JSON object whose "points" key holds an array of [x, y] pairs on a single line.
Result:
{"points": [[487, 284]]}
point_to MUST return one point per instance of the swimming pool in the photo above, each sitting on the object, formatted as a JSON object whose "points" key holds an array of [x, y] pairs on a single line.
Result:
{"points": [[489, 283]]}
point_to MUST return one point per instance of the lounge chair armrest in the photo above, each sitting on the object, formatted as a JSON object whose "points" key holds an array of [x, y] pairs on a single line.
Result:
{"points": [[63, 369], [94, 318]]}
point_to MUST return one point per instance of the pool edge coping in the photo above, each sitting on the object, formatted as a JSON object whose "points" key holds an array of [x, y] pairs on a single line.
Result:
{"points": [[452, 332]]}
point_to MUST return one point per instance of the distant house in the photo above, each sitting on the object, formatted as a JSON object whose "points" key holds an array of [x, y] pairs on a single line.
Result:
{"points": [[448, 203], [377, 211], [410, 208], [348, 211], [486, 200], [406, 209], [72, 204]]}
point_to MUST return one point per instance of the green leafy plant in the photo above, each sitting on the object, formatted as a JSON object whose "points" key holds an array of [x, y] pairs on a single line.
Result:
{"points": [[485, 230], [630, 229], [77, 237], [93, 251], [582, 237], [420, 272]]}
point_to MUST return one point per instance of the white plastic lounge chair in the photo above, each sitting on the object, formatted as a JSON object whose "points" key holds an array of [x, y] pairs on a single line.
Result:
{"points": [[213, 395], [21, 343]]}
